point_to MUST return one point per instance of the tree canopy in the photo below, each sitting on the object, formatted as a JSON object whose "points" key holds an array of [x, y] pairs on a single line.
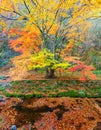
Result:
{"points": [[45, 31]]}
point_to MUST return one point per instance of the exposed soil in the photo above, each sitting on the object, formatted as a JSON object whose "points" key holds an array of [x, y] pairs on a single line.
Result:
{"points": [[51, 114]]}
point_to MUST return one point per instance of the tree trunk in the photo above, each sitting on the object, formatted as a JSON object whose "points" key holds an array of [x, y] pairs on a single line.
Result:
{"points": [[50, 73], [47, 72]]}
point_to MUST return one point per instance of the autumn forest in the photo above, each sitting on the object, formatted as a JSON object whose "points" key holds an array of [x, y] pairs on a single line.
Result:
{"points": [[50, 64]]}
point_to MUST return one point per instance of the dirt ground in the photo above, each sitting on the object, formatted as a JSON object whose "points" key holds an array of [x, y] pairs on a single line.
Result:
{"points": [[32, 75]]}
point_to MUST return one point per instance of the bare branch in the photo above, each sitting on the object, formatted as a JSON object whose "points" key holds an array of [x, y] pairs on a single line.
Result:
{"points": [[4, 17], [26, 6], [10, 11], [33, 2]]}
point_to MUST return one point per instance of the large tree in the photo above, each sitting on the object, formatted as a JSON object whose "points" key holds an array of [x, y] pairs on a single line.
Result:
{"points": [[55, 25]]}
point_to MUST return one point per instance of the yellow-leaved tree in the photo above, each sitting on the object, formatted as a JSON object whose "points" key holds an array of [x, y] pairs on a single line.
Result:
{"points": [[48, 27]]}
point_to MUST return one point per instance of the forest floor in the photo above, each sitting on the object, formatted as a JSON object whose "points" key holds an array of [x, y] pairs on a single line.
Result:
{"points": [[4, 71], [63, 113], [52, 107]]}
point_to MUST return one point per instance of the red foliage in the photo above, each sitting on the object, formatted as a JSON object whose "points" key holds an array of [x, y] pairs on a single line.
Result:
{"points": [[86, 71]]}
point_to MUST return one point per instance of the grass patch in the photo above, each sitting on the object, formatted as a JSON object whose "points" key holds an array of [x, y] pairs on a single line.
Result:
{"points": [[70, 93], [82, 93], [51, 88], [27, 96], [2, 88], [97, 72]]}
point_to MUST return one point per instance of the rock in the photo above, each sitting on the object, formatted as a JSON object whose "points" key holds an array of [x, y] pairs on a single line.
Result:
{"points": [[3, 77], [3, 85], [13, 127], [1, 100], [1, 97]]}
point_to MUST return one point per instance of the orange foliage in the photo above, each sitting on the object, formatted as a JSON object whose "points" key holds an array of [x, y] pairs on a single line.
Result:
{"points": [[60, 71], [69, 46], [24, 41]]}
